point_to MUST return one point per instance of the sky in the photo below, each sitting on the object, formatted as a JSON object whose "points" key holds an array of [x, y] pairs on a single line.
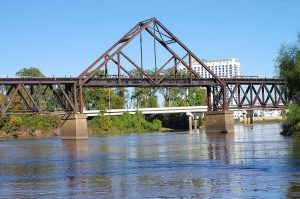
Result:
{"points": [[62, 38]]}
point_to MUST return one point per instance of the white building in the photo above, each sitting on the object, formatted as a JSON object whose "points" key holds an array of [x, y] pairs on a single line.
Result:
{"points": [[227, 68]]}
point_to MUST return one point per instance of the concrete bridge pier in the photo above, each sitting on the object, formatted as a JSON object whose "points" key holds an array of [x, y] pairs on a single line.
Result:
{"points": [[194, 121], [219, 122], [74, 127], [248, 117]]}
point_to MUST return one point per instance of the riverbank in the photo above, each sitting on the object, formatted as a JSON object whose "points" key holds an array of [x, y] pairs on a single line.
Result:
{"points": [[24, 126], [39, 126], [30, 126], [263, 120], [34, 134]]}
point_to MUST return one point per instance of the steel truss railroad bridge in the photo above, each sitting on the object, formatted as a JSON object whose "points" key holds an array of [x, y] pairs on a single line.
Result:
{"points": [[115, 67]]}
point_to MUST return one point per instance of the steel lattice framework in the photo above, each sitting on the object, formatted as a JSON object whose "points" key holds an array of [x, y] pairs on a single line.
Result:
{"points": [[118, 68]]}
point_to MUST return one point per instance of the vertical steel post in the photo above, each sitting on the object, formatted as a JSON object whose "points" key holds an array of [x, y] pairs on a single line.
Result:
{"points": [[225, 104], [119, 69], [208, 98], [214, 99], [154, 46], [75, 98], [190, 68], [67, 90], [251, 95], [239, 95], [141, 49], [3, 100], [263, 95], [80, 99], [31, 93], [275, 94], [105, 70], [39, 97]]}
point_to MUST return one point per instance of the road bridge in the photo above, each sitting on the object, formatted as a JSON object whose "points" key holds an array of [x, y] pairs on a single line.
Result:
{"points": [[162, 110], [149, 111], [119, 67]]}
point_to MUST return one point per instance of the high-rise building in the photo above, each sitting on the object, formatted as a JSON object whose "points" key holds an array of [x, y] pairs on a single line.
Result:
{"points": [[227, 68]]}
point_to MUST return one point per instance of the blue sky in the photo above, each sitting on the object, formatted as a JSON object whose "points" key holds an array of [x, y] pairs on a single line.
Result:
{"points": [[64, 37]]}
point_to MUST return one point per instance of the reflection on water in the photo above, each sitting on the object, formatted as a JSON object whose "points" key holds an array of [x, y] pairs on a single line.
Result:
{"points": [[253, 162], [76, 153]]}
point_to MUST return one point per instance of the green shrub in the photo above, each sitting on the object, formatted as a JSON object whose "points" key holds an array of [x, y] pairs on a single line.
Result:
{"points": [[3, 121], [29, 123], [293, 116], [156, 125], [105, 123], [101, 122], [13, 124], [292, 124], [41, 122], [125, 123]]}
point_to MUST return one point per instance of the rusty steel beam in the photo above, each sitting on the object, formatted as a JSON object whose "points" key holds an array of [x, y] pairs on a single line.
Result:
{"points": [[136, 66], [108, 51], [170, 70], [125, 42], [157, 34], [189, 51], [68, 101], [171, 51], [267, 94], [12, 97], [31, 98], [164, 65]]}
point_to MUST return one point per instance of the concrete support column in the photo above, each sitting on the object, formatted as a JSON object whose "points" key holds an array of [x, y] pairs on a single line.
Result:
{"points": [[219, 122], [250, 117], [195, 124], [74, 127], [190, 122], [245, 119]]}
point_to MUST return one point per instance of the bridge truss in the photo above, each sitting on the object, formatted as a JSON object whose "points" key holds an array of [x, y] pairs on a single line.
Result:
{"points": [[129, 63]]}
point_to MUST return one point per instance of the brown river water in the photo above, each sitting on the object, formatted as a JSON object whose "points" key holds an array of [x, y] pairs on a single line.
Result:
{"points": [[254, 162]]}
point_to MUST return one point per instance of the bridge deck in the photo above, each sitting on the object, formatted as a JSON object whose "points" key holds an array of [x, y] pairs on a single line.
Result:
{"points": [[133, 82]]}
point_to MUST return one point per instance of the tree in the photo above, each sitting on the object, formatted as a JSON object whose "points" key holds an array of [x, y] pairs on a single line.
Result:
{"points": [[288, 67], [196, 96], [104, 98], [145, 97], [183, 96], [29, 72]]}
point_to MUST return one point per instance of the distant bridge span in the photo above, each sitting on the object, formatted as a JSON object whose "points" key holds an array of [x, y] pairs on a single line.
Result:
{"points": [[148, 111], [161, 110]]}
